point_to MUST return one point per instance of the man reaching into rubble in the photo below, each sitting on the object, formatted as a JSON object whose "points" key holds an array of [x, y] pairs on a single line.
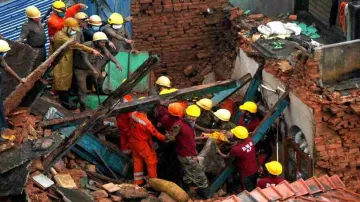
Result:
{"points": [[4, 48], [33, 34], [162, 83], [222, 120], [185, 143], [206, 119], [142, 146], [118, 34], [248, 118], [245, 158], [63, 71], [90, 65]]}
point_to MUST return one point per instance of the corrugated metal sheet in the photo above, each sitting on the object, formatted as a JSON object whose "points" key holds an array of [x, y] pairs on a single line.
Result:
{"points": [[13, 15]]}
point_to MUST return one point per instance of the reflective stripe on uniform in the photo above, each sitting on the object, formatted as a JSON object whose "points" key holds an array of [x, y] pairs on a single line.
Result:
{"points": [[139, 174], [137, 119]]}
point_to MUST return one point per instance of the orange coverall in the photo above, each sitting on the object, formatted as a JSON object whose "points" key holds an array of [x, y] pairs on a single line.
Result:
{"points": [[142, 146], [56, 23], [123, 124]]}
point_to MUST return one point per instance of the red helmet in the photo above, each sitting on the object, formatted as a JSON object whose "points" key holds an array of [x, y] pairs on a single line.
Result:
{"points": [[176, 109], [128, 98]]}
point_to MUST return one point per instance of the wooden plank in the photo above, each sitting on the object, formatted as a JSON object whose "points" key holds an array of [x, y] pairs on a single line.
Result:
{"points": [[102, 111], [13, 100]]}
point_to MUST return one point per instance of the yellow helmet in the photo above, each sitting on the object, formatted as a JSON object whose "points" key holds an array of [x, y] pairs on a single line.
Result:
{"points": [[32, 12], [274, 167], [59, 6], [100, 36], [240, 132], [4, 46], [193, 110], [223, 114], [81, 16], [163, 81], [168, 91], [140, 98], [116, 18], [249, 106], [123, 80], [71, 22], [205, 103], [95, 20]]}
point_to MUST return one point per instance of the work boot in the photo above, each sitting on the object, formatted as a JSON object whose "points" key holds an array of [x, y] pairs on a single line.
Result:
{"points": [[82, 107], [204, 193]]}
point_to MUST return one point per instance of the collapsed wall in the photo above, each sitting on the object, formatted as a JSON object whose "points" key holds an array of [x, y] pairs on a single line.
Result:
{"points": [[184, 33]]}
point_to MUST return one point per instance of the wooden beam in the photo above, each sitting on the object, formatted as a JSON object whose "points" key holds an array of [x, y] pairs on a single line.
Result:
{"points": [[102, 111], [61, 120], [14, 99]]}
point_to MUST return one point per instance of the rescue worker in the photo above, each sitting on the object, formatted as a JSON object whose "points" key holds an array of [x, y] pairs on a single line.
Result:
{"points": [[248, 118], [206, 118], [142, 146], [90, 65], [244, 153], [222, 120], [161, 110], [176, 111], [186, 151], [33, 34], [123, 125], [60, 13], [161, 84], [4, 48], [274, 168], [63, 71], [118, 34], [93, 25], [82, 19], [56, 21]]}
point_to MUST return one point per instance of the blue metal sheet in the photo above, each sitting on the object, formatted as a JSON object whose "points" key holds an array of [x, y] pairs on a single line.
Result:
{"points": [[13, 16]]}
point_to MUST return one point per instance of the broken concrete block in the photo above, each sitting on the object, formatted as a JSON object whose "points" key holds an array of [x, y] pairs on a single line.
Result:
{"points": [[36, 165], [110, 187], [65, 180], [42, 181], [104, 200], [99, 194], [256, 16], [76, 175], [132, 191], [115, 198], [190, 71], [164, 197]]}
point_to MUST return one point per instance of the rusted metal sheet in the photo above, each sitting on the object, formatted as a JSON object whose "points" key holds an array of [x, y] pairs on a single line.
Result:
{"points": [[13, 100]]}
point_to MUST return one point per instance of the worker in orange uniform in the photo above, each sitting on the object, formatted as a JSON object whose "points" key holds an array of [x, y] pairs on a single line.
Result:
{"points": [[142, 146], [244, 153], [57, 19], [248, 118], [274, 169], [123, 124]]}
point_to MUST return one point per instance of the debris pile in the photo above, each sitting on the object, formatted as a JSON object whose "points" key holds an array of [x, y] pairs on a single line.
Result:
{"points": [[337, 120], [189, 35]]}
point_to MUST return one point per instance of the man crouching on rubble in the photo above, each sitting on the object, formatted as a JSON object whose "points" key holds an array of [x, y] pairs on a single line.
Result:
{"points": [[186, 151]]}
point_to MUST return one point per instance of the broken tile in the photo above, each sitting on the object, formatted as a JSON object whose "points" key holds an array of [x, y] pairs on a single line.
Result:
{"points": [[272, 193], [285, 189], [110, 187], [326, 182], [314, 185], [42, 181], [65, 180], [115, 198], [300, 187], [259, 195]]}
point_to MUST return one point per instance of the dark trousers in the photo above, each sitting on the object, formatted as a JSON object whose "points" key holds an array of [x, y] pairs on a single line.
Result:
{"points": [[2, 115]]}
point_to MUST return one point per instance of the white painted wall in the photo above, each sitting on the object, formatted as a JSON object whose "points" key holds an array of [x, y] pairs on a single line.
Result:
{"points": [[297, 113], [244, 65]]}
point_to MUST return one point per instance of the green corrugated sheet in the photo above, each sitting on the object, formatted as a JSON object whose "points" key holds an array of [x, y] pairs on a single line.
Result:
{"points": [[115, 76]]}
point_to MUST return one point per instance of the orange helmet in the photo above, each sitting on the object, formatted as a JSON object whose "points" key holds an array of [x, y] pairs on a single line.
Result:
{"points": [[176, 109], [128, 98]]}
